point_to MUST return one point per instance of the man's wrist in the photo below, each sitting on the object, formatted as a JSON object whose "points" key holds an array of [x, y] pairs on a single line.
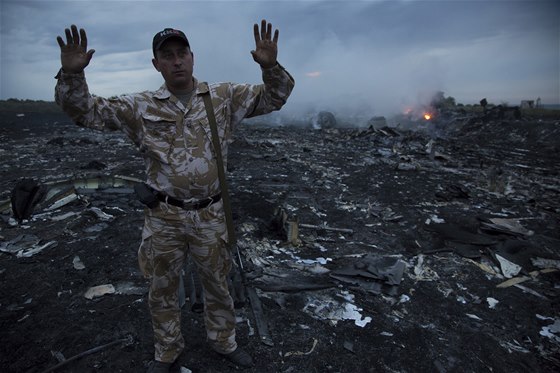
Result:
{"points": [[271, 66], [66, 71], [61, 71]]}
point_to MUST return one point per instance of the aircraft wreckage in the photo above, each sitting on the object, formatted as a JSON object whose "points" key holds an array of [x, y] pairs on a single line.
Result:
{"points": [[362, 249]]}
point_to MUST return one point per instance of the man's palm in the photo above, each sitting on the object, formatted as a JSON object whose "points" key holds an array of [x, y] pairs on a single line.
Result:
{"points": [[74, 55], [266, 46]]}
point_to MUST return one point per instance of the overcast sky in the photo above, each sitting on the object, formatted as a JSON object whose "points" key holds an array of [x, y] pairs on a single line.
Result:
{"points": [[371, 56]]}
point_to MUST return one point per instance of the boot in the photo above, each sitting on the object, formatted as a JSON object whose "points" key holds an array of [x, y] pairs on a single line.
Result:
{"points": [[240, 357], [161, 367]]}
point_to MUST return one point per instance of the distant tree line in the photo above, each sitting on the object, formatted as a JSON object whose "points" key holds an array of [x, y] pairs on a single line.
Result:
{"points": [[36, 106]]}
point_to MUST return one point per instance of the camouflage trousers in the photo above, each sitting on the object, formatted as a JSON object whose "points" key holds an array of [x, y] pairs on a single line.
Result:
{"points": [[162, 255]]}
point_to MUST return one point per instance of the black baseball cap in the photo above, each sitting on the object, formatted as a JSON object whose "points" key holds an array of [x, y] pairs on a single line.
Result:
{"points": [[168, 33]]}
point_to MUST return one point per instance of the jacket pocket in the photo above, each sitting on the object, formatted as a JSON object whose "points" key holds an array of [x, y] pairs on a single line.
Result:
{"points": [[159, 135]]}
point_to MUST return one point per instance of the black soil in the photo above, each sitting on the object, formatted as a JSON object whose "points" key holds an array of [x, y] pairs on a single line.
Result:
{"points": [[382, 184]]}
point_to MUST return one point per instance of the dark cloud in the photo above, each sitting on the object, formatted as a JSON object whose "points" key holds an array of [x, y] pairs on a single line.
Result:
{"points": [[373, 55]]}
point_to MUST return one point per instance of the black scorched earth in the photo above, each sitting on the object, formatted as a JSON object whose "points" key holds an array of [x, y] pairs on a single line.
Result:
{"points": [[363, 249]]}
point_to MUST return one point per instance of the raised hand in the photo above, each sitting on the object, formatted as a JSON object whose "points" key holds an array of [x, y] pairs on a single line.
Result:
{"points": [[266, 47], [74, 55]]}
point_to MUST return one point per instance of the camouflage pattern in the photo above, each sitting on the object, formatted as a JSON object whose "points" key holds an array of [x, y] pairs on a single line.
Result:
{"points": [[175, 140], [176, 144], [162, 256]]}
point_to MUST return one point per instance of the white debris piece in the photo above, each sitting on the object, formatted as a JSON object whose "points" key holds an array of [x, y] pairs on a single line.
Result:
{"points": [[551, 331], [461, 299], [103, 216], [404, 298], [492, 302], [511, 347], [317, 269], [129, 288], [78, 263], [423, 273], [100, 290], [324, 307], [63, 201], [545, 263], [64, 216], [509, 269], [248, 227], [301, 353], [19, 243], [475, 317], [511, 225], [436, 219], [27, 253]]}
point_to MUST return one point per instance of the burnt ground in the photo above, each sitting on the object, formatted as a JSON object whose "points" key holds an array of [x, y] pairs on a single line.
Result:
{"points": [[355, 194]]}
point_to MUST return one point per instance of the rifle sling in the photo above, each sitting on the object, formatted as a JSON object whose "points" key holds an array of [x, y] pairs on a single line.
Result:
{"points": [[220, 163]]}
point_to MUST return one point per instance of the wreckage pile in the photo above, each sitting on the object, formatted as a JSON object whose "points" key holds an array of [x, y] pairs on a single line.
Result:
{"points": [[378, 247]]}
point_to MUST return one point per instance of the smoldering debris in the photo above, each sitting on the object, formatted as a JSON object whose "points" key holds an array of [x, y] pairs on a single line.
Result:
{"points": [[426, 239]]}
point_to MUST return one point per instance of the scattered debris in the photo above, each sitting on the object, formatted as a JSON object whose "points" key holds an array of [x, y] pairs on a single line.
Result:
{"points": [[26, 245], [19, 243], [288, 225], [513, 347], [101, 215], [325, 307], [423, 273], [475, 317], [551, 331], [518, 280], [509, 226], [301, 353], [99, 290], [70, 197], [349, 346], [326, 228], [485, 267], [545, 263], [26, 194], [64, 216], [509, 269], [260, 320], [492, 302], [78, 263], [375, 275], [129, 288], [456, 206], [124, 341], [530, 291]]}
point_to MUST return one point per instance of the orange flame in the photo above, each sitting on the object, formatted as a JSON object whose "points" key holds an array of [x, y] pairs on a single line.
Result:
{"points": [[427, 116]]}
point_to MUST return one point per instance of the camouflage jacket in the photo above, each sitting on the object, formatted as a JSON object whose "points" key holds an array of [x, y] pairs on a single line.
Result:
{"points": [[176, 140]]}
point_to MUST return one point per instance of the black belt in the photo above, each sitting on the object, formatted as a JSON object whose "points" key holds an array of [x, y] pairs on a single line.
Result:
{"points": [[194, 205]]}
